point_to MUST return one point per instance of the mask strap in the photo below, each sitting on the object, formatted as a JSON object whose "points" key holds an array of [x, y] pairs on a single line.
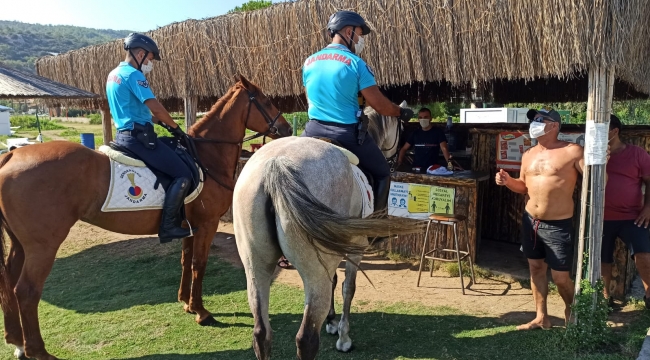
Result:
{"points": [[146, 53], [349, 44]]}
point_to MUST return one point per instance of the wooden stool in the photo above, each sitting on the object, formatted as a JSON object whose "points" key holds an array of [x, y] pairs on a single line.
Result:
{"points": [[453, 220]]}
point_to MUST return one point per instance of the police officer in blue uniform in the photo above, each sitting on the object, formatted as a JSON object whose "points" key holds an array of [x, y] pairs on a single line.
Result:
{"points": [[132, 104], [333, 78]]}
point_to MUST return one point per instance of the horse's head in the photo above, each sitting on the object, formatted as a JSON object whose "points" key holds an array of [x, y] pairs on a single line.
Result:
{"points": [[262, 116], [385, 130]]}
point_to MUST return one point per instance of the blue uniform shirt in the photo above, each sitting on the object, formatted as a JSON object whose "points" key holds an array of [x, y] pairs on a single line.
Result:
{"points": [[333, 78], [126, 90]]}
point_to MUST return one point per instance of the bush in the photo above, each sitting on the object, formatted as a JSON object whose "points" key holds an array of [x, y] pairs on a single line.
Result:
{"points": [[28, 122], [95, 119]]}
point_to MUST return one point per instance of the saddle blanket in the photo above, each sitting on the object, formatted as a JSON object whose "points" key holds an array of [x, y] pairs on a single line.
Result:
{"points": [[367, 196], [132, 187]]}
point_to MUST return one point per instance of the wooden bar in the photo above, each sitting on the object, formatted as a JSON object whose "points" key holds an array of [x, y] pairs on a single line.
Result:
{"points": [[107, 124], [466, 185], [191, 105]]}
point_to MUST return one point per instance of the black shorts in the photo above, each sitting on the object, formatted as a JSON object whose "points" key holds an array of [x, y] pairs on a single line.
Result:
{"points": [[637, 239], [551, 240]]}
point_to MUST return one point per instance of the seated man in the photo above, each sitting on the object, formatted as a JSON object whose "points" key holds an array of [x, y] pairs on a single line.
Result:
{"points": [[427, 142]]}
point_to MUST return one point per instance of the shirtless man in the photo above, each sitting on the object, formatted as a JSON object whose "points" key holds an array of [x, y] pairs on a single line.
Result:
{"points": [[549, 172]]}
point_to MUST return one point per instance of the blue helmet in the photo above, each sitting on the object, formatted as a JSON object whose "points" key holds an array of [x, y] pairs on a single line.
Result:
{"points": [[135, 40], [344, 18]]}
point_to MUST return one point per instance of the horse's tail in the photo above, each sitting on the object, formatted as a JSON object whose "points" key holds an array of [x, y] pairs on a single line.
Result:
{"points": [[5, 288], [315, 221]]}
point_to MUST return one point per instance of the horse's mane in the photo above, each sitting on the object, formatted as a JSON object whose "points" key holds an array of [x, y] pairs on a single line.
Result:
{"points": [[376, 124], [223, 102]]}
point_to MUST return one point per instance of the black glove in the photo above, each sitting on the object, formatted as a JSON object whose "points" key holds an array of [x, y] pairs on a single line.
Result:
{"points": [[177, 132], [405, 114]]}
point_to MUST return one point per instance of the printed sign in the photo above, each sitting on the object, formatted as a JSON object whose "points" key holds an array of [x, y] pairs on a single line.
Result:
{"points": [[596, 143], [441, 200], [418, 198], [416, 201], [512, 145]]}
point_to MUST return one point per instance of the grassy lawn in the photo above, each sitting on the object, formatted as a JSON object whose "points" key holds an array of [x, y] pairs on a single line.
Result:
{"points": [[72, 131], [118, 301]]}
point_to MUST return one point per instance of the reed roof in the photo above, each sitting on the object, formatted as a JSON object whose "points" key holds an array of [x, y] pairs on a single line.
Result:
{"points": [[413, 41]]}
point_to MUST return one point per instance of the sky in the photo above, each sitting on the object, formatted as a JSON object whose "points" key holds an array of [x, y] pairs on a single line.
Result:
{"points": [[136, 15]]}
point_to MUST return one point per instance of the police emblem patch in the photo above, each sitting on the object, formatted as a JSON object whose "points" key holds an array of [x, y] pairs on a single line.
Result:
{"points": [[143, 83]]}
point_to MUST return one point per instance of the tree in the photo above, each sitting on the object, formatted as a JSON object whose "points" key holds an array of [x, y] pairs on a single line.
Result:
{"points": [[252, 5]]}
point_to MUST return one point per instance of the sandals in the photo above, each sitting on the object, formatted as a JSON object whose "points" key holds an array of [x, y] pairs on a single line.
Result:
{"points": [[284, 263]]}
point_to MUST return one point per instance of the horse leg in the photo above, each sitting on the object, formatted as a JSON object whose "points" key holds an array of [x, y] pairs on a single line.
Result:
{"points": [[186, 277], [332, 326], [13, 329], [28, 290], [317, 302], [203, 240], [344, 343]]}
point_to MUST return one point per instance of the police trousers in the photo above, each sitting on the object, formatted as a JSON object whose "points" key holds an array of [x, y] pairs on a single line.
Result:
{"points": [[370, 156], [162, 158]]}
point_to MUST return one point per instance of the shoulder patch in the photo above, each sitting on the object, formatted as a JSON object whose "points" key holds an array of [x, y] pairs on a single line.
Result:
{"points": [[143, 83], [370, 70]]}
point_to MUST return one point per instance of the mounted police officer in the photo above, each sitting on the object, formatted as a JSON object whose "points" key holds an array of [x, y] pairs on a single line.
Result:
{"points": [[333, 78], [132, 104]]}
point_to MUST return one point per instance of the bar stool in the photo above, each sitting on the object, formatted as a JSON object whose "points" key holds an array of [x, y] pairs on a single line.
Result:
{"points": [[452, 220]]}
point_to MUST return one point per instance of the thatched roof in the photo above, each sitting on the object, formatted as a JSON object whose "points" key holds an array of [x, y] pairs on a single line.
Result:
{"points": [[20, 84], [454, 41]]}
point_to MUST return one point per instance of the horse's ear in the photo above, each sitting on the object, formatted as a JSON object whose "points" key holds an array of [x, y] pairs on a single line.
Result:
{"points": [[237, 78], [245, 82], [403, 104]]}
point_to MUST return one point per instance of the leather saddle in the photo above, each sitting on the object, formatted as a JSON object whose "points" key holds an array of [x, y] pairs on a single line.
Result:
{"points": [[162, 178]]}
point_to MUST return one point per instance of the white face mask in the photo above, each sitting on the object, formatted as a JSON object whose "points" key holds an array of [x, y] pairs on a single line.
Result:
{"points": [[537, 129], [358, 47], [146, 68], [424, 122]]}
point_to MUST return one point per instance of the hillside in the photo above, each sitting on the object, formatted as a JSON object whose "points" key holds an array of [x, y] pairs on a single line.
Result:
{"points": [[21, 43]]}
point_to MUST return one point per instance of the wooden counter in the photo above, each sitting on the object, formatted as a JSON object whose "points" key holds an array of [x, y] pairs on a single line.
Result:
{"points": [[467, 202]]}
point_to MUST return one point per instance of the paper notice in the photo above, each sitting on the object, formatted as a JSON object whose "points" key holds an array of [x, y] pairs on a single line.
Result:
{"points": [[596, 139]]}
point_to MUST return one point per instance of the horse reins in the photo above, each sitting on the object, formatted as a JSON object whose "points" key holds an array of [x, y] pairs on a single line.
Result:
{"points": [[191, 146]]}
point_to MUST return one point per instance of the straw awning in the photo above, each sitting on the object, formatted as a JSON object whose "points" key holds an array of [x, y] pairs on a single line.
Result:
{"points": [[452, 42], [16, 84]]}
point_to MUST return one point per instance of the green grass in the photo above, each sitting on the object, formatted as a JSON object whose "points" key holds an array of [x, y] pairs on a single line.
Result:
{"points": [[118, 301]]}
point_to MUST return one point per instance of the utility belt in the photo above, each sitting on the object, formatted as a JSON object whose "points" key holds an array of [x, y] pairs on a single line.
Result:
{"points": [[362, 125], [143, 133]]}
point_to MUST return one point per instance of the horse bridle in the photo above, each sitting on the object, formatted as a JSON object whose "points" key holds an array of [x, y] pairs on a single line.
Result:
{"points": [[273, 130]]}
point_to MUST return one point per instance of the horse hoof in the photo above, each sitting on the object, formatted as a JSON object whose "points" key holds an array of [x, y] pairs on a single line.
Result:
{"points": [[208, 321], [343, 346], [186, 308], [19, 353], [332, 329]]}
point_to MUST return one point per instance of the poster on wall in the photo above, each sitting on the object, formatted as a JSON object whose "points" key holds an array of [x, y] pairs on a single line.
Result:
{"points": [[416, 201], [441, 200], [511, 146]]}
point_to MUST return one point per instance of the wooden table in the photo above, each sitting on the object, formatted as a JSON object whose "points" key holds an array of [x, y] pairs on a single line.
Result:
{"points": [[468, 201]]}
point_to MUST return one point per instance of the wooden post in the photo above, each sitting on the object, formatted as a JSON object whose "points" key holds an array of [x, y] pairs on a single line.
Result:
{"points": [[191, 104], [107, 124], [599, 108]]}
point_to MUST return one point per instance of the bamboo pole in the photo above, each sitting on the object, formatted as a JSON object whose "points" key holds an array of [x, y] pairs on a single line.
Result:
{"points": [[599, 105]]}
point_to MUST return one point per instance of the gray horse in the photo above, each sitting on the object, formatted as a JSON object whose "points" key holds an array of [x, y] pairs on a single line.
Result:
{"points": [[297, 196]]}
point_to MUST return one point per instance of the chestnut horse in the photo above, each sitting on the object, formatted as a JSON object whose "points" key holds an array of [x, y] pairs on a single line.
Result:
{"points": [[46, 188]]}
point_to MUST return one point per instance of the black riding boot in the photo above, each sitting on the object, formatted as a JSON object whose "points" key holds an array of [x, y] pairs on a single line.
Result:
{"points": [[381, 188], [170, 225]]}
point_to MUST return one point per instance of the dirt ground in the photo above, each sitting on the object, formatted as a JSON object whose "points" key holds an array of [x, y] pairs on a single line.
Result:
{"points": [[499, 296]]}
